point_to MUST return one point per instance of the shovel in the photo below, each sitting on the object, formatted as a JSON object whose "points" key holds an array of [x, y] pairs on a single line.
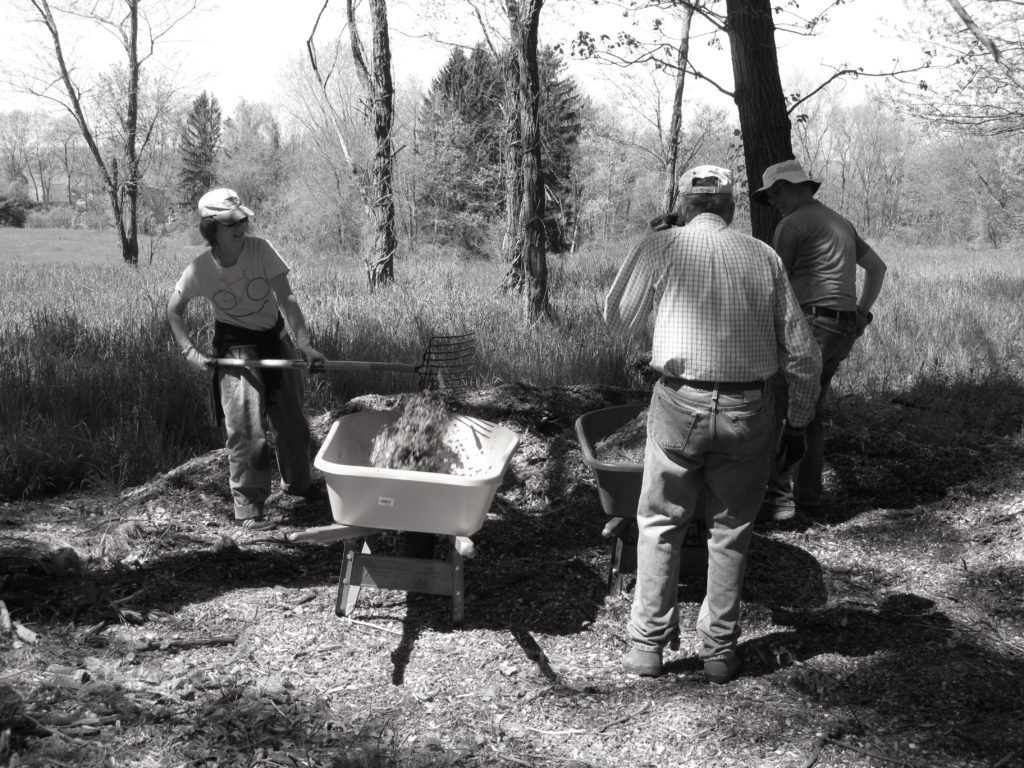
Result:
{"points": [[447, 363]]}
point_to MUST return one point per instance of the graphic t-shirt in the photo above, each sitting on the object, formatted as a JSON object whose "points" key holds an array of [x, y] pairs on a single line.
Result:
{"points": [[240, 294]]}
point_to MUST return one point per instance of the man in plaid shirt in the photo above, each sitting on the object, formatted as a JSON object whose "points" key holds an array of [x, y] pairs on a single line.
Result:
{"points": [[725, 319]]}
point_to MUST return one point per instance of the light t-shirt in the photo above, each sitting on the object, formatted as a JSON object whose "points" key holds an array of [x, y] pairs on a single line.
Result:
{"points": [[820, 250], [241, 294]]}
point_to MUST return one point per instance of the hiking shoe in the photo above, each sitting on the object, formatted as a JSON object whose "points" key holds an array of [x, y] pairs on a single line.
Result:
{"points": [[643, 663], [315, 491], [776, 510], [720, 669], [256, 523]]}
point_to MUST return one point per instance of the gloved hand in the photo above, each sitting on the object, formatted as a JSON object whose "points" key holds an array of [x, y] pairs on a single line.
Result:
{"points": [[666, 220], [312, 356], [197, 359], [791, 448], [863, 318]]}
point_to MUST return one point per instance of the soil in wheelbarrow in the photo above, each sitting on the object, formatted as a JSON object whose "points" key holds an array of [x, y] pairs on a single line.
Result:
{"points": [[626, 444]]}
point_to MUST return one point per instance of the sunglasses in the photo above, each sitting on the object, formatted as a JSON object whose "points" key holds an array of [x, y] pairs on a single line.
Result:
{"points": [[236, 224]]}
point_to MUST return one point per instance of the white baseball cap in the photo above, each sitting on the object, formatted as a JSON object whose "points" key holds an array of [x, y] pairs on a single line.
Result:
{"points": [[223, 205], [706, 180]]}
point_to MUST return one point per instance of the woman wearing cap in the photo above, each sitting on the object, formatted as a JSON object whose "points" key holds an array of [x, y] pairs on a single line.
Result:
{"points": [[246, 281]]}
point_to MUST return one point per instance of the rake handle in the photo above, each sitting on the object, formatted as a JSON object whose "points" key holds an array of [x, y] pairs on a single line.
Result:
{"points": [[326, 365]]}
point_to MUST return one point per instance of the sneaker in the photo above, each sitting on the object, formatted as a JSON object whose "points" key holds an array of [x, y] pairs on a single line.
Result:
{"points": [[643, 663], [776, 510], [720, 669], [256, 523]]}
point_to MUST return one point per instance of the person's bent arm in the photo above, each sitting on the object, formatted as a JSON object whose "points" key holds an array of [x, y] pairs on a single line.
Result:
{"points": [[874, 275], [630, 299], [293, 316], [176, 319]]}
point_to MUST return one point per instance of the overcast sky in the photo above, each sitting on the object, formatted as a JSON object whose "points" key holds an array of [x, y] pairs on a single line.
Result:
{"points": [[241, 48]]}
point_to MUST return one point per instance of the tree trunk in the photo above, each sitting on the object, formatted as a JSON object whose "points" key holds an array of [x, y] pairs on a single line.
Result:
{"points": [[513, 242], [130, 230], [759, 98], [535, 267], [672, 161], [381, 266], [379, 87]]}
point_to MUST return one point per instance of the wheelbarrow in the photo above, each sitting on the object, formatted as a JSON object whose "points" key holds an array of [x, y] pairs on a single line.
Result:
{"points": [[618, 487], [367, 501]]}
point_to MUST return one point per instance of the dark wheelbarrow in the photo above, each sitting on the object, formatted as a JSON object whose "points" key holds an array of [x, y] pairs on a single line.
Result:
{"points": [[618, 486]]}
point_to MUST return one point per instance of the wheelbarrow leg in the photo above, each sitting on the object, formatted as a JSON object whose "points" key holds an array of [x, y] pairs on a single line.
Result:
{"points": [[458, 576], [348, 592]]}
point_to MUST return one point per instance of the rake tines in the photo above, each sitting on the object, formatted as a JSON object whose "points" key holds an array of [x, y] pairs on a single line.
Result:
{"points": [[448, 362]]}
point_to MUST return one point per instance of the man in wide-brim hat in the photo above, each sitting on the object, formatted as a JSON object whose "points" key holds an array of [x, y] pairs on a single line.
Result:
{"points": [[821, 252]]}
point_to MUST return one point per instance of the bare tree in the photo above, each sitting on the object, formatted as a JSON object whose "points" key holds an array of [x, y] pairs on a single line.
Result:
{"points": [[672, 160], [378, 189], [524, 21], [980, 54], [137, 32]]}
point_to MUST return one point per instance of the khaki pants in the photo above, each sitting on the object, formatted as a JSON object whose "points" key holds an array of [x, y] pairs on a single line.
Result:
{"points": [[246, 407]]}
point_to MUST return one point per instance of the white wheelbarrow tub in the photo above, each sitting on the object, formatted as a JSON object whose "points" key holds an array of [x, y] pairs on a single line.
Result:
{"points": [[404, 500]]}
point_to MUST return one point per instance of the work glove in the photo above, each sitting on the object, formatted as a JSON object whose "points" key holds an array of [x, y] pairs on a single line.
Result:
{"points": [[666, 220], [863, 319], [197, 359], [791, 448], [313, 357]]}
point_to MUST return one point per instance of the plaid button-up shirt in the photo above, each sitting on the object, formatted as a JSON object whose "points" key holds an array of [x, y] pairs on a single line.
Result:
{"points": [[724, 310]]}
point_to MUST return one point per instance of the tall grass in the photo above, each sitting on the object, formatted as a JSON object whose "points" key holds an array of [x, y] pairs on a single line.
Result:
{"points": [[95, 392]]}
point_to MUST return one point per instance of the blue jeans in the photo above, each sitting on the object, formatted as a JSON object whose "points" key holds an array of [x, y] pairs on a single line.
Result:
{"points": [[835, 338], [245, 405], [698, 443]]}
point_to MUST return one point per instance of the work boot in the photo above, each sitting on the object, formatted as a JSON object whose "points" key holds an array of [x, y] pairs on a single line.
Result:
{"points": [[722, 668], [643, 663]]}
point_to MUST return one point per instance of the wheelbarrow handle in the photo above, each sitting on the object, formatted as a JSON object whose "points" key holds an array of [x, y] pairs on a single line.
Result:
{"points": [[326, 365]]}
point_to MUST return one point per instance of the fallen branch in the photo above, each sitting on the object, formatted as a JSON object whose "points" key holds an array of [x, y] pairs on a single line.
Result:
{"points": [[602, 729], [177, 645], [624, 718], [374, 626], [816, 747], [868, 752]]}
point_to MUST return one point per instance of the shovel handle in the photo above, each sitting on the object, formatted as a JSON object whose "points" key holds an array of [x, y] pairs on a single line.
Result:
{"points": [[326, 365]]}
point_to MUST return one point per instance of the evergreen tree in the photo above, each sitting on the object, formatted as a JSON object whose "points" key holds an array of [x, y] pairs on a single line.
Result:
{"points": [[199, 143], [462, 138], [461, 115], [563, 111]]}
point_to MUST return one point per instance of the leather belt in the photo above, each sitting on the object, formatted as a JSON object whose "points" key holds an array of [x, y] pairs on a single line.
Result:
{"points": [[711, 386], [835, 314]]}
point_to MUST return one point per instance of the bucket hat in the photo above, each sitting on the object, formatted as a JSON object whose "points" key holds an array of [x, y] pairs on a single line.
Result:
{"points": [[788, 170]]}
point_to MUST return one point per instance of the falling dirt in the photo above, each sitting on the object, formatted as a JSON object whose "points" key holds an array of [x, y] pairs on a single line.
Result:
{"points": [[416, 440]]}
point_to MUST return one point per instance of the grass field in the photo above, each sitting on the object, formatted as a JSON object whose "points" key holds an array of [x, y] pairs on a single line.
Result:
{"points": [[96, 393]]}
